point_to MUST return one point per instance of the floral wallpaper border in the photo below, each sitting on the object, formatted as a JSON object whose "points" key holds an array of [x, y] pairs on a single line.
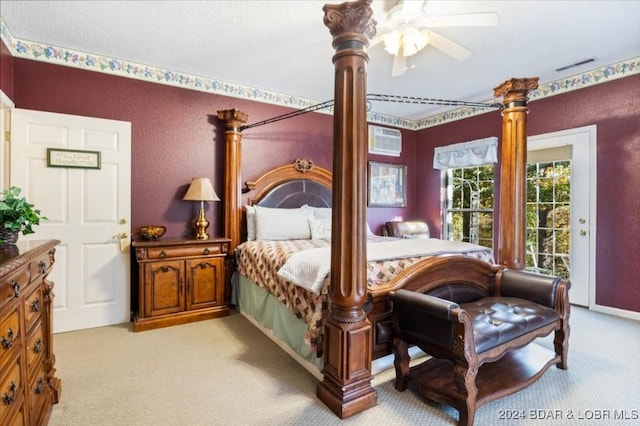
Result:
{"points": [[87, 61]]}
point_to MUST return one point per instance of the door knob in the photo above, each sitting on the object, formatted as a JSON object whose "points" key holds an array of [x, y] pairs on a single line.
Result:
{"points": [[120, 236], [583, 232]]}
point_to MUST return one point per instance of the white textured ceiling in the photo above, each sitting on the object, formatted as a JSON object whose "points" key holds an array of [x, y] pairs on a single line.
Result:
{"points": [[284, 47]]}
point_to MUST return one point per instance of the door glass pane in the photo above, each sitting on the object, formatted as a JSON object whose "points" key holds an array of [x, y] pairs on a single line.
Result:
{"points": [[548, 216]]}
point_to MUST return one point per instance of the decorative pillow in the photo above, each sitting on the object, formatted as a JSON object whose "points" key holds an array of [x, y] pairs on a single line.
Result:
{"points": [[322, 212], [251, 222], [282, 224], [320, 229]]}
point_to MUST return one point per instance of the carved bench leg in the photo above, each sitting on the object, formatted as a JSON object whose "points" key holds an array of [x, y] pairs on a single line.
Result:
{"points": [[561, 344], [401, 363], [465, 379]]}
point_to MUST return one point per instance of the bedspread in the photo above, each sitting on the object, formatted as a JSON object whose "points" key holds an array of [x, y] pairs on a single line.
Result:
{"points": [[260, 261]]}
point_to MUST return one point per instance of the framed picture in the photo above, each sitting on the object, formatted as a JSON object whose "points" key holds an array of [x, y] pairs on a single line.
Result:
{"points": [[73, 158], [387, 185]]}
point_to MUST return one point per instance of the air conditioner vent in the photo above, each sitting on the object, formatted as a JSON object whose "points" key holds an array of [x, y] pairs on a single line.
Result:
{"points": [[384, 141]]}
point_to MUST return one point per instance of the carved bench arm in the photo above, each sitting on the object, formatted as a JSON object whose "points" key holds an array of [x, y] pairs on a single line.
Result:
{"points": [[426, 317]]}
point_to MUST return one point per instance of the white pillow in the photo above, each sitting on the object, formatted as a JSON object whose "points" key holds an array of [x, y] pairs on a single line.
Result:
{"points": [[320, 229], [322, 212], [282, 224], [251, 222]]}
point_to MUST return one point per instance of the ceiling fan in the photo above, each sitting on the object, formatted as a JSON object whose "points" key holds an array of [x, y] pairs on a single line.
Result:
{"points": [[407, 29]]}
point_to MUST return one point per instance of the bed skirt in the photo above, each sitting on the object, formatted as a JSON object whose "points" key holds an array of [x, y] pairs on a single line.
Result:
{"points": [[275, 320], [286, 330]]}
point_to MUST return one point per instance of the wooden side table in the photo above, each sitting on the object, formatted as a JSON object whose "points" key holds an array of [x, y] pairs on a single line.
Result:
{"points": [[179, 281]]}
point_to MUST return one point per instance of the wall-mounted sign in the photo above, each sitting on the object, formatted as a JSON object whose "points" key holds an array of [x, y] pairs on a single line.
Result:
{"points": [[73, 158]]}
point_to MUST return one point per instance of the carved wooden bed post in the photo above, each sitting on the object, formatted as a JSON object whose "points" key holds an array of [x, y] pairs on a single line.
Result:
{"points": [[512, 219], [232, 216], [233, 119], [346, 388]]}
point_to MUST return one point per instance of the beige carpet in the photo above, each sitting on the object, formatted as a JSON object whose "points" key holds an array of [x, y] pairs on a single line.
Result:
{"points": [[224, 371]]}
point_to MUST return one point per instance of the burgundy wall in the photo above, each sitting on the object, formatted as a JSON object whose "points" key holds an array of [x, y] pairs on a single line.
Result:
{"points": [[615, 109], [176, 136], [6, 71]]}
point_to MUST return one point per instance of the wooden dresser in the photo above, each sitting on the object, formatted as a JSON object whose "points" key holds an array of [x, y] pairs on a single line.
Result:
{"points": [[179, 281], [28, 385]]}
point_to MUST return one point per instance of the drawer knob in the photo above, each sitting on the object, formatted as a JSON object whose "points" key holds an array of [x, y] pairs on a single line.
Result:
{"points": [[35, 305], [16, 288], [9, 399], [163, 254], [205, 251], [7, 342], [37, 348]]}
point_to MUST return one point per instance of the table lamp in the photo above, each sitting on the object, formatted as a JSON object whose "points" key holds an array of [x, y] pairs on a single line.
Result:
{"points": [[201, 190]]}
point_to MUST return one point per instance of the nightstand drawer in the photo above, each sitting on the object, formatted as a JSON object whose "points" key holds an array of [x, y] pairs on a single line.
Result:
{"points": [[183, 251]]}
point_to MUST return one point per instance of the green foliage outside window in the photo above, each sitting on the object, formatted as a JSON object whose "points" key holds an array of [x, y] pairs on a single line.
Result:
{"points": [[469, 212]]}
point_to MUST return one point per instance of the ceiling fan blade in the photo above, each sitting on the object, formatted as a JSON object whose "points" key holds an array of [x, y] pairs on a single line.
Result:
{"points": [[488, 19], [447, 46], [399, 65]]}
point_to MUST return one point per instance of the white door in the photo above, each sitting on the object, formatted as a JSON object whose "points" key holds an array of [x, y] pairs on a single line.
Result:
{"points": [[582, 148], [86, 208]]}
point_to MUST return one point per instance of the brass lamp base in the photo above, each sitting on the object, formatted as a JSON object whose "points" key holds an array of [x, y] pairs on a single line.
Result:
{"points": [[201, 225]]}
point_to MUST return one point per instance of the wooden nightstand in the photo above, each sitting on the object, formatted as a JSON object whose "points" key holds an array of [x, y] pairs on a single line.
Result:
{"points": [[179, 281]]}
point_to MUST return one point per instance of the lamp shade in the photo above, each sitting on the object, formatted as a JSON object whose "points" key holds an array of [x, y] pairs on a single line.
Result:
{"points": [[201, 190]]}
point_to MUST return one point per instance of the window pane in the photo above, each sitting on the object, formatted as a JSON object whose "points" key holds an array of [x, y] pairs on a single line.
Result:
{"points": [[469, 205]]}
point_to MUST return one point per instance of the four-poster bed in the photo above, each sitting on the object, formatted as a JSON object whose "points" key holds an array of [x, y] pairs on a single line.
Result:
{"points": [[282, 289], [348, 335]]}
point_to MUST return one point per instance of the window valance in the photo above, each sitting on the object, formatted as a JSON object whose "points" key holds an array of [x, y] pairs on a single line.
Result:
{"points": [[465, 154]]}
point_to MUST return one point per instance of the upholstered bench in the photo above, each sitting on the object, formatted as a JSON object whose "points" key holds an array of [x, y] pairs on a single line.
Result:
{"points": [[479, 326]]}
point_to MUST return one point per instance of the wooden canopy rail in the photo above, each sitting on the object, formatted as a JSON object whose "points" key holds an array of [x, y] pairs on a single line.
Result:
{"points": [[346, 388]]}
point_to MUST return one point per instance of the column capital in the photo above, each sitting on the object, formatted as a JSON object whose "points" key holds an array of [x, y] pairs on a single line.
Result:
{"points": [[233, 118], [516, 90], [351, 19]]}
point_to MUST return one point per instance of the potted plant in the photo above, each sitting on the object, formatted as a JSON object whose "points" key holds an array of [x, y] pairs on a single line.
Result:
{"points": [[16, 215]]}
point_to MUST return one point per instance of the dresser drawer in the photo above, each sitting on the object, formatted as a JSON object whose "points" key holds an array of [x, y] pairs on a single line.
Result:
{"points": [[12, 286], [40, 265], [36, 346], [10, 332], [33, 305], [38, 391], [11, 392], [183, 251]]}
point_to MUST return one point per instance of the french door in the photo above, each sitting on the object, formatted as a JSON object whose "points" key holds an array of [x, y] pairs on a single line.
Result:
{"points": [[561, 208]]}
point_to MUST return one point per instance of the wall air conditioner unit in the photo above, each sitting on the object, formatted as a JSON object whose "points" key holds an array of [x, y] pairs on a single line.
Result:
{"points": [[384, 141]]}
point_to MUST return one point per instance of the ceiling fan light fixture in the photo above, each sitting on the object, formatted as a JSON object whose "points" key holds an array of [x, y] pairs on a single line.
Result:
{"points": [[392, 42], [413, 40]]}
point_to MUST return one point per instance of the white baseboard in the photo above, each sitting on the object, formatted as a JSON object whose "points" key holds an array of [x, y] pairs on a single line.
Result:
{"points": [[615, 311]]}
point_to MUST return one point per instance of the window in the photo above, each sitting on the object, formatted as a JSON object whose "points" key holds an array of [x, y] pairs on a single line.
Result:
{"points": [[468, 204]]}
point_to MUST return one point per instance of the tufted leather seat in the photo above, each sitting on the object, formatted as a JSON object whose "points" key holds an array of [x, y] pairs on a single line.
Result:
{"points": [[497, 320]]}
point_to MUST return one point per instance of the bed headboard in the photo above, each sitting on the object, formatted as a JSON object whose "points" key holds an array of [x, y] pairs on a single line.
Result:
{"points": [[292, 185]]}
